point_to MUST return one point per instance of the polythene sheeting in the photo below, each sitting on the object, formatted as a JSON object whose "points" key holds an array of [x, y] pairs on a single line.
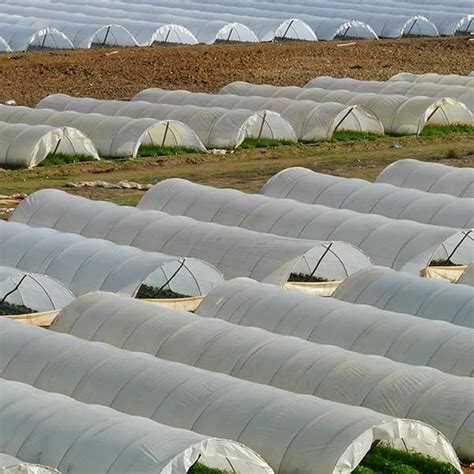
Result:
{"points": [[285, 362], [446, 79], [400, 115], [236, 252], [311, 121], [35, 291], [12, 465], [403, 293], [429, 177], [85, 265], [77, 438], [359, 328], [216, 127], [460, 93], [372, 198], [23, 145], [467, 277], [111, 136], [292, 432], [402, 245]]}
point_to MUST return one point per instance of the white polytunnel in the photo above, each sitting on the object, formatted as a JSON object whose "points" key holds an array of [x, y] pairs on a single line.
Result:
{"points": [[310, 121], [467, 277], [4, 46], [35, 291], [285, 362], [292, 432], [446, 79], [12, 465], [216, 127], [24, 38], [76, 438], [85, 265], [359, 195], [402, 245], [404, 293], [409, 89], [429, 177], [359, 328], [235, 252], [111, 136], [26, 146], [400, 115]]}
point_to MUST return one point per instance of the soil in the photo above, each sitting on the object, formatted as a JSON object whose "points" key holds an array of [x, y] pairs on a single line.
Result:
{"points": [[121, 73]]}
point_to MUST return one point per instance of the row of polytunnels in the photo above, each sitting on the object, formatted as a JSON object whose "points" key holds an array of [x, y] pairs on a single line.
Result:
{"points": [[240, 114], [301, 329], [66, 24]]}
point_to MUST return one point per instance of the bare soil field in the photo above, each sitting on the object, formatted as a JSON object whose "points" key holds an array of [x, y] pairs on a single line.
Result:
{"points": [[121, 73]]}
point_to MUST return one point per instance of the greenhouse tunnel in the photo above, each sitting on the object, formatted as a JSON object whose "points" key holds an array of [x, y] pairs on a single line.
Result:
{"points": [[292, 432]]}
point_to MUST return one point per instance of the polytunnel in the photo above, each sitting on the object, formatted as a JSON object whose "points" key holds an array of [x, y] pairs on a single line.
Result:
{"points": [[399, 115], [409, 89], [308, 186], [85, 265], [467, 277], [35, 291], [77, 437], [402, 245], [292, 432], [310, 121], [25, 146], [12, 465], [404, 293], [235, 252], [4, 46], [216, 127], [111, 136], [285, 362], [445, 79], [359, 328], [429, 177], [24, 38], [143, 31]]}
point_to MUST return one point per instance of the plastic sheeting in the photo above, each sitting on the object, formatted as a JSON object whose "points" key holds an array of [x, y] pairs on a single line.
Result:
{"points": [[23, 145], [78, 438], [403, 293], [358, 328], [363, 196], [292, 432], [235, 252], [85, 265], [111, 136], [410, 89], [467, 277], [397, 244], [446, 79], [311, 121], [216, 127], [12, 465], [400, 115], [35, 291], [285, 362], [429, 177]]}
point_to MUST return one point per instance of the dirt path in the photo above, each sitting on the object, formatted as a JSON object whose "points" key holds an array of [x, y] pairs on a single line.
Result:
{"points": [[121, 73]]}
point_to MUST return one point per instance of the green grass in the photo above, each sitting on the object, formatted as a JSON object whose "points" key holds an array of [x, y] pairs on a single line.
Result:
{"points": [[61, 159], [153, 150], [250, 143], [348, 135], [201, 469], [442, 131], [384, 460]]}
